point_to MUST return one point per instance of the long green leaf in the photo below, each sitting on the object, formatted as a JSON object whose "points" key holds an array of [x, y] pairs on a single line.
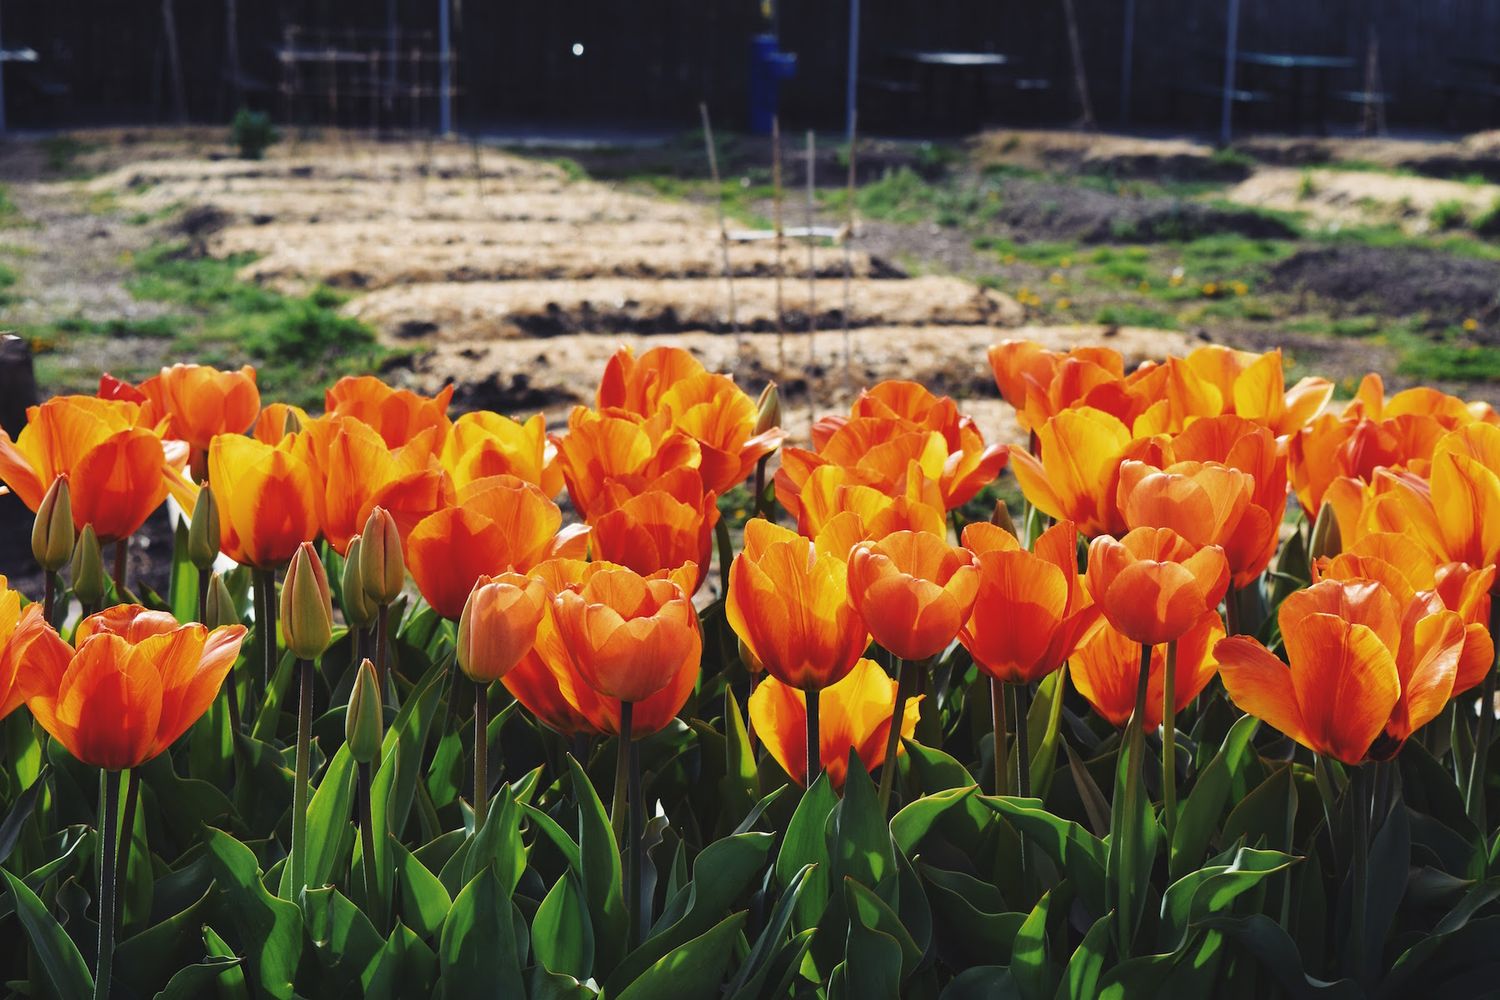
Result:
{"points": [[56, 951], [269, 928]]}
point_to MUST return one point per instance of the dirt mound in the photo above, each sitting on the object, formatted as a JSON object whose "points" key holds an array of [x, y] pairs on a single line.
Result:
{"points": [[1362, 197], [1398, 282], [515, 309], [381, 267], [1108, 155], [1036, 210]]}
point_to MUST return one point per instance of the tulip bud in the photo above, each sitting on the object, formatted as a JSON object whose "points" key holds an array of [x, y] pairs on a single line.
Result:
{"points": [[218, 607], [1001, 519], [498, 625], [291, 424], [359, 610], [364, 722], [203, 531], [750, 660], [52, 533], [768, 409], [306, 607], [381, 563], [1327, 540], [88, 569]]}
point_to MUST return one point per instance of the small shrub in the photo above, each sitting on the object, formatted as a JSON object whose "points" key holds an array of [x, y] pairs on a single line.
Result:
{"points": [[253, 133], [1450, 214]]}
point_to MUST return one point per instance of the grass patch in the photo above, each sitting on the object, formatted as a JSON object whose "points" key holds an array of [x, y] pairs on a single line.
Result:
{"points": [[1041, 253], [298, 343], [1452, 362], [1135, 314], [61, 152], [10, 215], [1449, 214]]}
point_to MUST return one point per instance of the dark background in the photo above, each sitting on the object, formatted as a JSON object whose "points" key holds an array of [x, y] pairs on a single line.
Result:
{"points": [[651, 61]]}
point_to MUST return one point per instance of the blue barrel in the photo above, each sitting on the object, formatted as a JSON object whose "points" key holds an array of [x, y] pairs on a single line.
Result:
{"points": [[768, 67]]}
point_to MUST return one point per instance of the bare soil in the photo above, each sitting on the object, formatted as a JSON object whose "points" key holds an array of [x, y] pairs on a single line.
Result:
{"points": [[1407, 282]]}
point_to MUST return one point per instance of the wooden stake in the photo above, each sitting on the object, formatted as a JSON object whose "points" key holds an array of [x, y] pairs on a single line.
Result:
{"points": [[713, 169], [849, 258], [780, 243], [812, 276]]}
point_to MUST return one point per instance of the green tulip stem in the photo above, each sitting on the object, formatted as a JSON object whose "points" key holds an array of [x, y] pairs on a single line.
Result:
{"points": [[122, 552], [382, 625], [1169, 743], [997, 722], [265, 618], [1360, 792], [481, 754], [132, 786], [108, 882], [635, 904], [298, 858], [1023, 741], [893, 738], [367, 848], [814, 738], [1484, 734], [49, 593]]}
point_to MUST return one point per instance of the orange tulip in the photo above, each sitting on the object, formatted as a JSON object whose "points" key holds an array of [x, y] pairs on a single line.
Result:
{"points": [[627, 636], [1032, 610], [199, 401], [790, 605], [1041, 384], [1450, 411], [853, 714], [1153, 584], [398, 414], [497, 524], [548, 686], [1106, 670], [277, 420], [118, 470], [1253, 386], [1170, 397], [1411, 573], [667, 524], [1331, 447], [484, 444], [1078, 474], [359, 472], [835, 493], [914, 591], [268, 497], [1365, 671], [1252, 449], [10, 619], [135, 683], [498, 625], [881, 449], [1206, 503], [637, 384], [616, 445]]}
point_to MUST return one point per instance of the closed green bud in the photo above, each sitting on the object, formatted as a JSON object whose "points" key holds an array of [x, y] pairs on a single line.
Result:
{"points": [[219, 608], [768, 409], [750, 660], [88, 569], [381, 563], [1001, 519], [306, 606], [52, 533], [1327, 540], [359, 610], [203, 531], [364, 722]]}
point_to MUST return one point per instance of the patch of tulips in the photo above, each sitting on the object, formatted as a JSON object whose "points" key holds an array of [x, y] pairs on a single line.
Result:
{"points": [[458, 705]]}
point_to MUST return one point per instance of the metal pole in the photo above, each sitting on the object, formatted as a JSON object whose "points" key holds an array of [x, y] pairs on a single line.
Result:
{"points": [[390, 55], [851, 98], [1127, 62], [1231, 46], [445, 109]]}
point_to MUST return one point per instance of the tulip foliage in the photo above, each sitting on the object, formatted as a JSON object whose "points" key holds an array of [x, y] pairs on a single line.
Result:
{"points": [[662, 702]]}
